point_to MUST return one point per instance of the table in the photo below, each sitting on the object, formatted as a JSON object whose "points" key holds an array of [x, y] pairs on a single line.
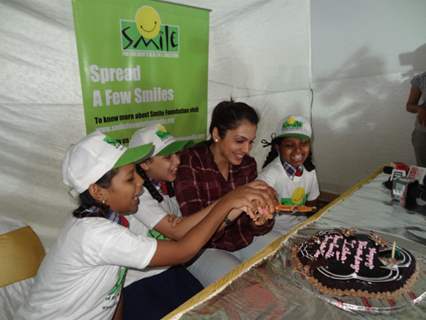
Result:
{"points": [[263, 288]]}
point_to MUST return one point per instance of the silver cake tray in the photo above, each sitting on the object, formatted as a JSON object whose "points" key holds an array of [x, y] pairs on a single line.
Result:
{"points": [[414, 295]]}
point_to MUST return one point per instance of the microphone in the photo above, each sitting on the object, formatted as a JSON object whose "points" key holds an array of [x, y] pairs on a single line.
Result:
{"points": [[396, 170], [408, 188], [415, 197]]}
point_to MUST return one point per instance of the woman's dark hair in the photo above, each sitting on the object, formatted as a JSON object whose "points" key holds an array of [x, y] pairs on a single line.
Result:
{"points": [[228, 115], [273, 153], [151, 187], [89, 207]]}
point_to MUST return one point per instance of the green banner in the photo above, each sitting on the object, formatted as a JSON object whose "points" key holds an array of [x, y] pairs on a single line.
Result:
{"points": [[142, 61]]}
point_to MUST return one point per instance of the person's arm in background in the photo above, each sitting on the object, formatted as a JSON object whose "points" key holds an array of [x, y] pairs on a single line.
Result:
{"points": [[413, 106]]}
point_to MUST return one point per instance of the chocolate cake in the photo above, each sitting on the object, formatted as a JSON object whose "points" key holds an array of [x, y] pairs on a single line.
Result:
{"points": [[350, 263]]}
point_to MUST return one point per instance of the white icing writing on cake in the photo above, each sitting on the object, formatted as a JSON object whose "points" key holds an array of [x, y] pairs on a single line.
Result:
{"points": [[353, 254], [358, 255], [322, 248], [370, 256], [330, 252], [333, 250], [345, 251]]}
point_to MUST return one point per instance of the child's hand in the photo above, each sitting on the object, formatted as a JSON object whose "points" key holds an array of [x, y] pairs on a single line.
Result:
{"points": [[263, 215]]}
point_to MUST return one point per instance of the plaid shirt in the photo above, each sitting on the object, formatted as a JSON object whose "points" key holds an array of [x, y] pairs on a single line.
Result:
{"points": [[292, 171], [199, 183]]}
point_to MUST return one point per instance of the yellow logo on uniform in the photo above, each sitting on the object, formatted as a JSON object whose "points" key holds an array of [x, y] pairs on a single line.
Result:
{"points": [[291, 120], [298, 196]]}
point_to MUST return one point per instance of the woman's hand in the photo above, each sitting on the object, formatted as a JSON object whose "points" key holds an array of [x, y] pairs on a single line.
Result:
{"points": [[252, 197], [262, 185], [263, 213]]}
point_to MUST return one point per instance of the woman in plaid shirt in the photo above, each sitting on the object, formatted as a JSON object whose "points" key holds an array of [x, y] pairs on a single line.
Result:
{"points": [[210, 170]]}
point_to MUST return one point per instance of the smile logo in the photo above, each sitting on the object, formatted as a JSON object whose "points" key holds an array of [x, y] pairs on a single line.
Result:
{"points": [[148, 36], [148, 22], [113, 142], [298, 196], [162, 132], [292, 122]]}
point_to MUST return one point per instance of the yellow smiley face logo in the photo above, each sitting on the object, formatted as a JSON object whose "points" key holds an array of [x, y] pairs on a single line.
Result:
{"points": [[148, 22], [298, 196], [291, 120]]}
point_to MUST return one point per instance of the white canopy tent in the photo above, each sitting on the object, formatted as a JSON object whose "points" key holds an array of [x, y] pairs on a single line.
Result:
{"points": [[345, 65]]}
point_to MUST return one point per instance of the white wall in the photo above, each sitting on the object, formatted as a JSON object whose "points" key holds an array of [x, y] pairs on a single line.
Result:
{"points": [[41, 111], [363, 55], [259, 54]]}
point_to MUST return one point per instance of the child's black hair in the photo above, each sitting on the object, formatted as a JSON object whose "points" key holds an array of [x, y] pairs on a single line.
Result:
{"points": [[227, 115], [273, 153], [90, 207], [151, 187]]}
